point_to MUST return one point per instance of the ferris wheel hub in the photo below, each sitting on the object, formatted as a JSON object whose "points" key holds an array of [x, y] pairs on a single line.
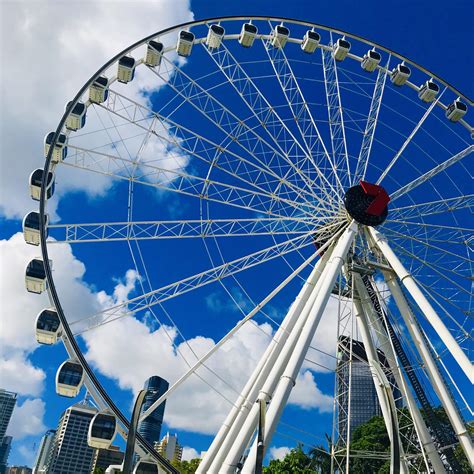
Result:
{"points": [[367, 203]]}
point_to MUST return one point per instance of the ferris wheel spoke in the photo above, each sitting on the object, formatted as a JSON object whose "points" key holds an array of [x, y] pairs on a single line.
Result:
{"points": [[402, 236], [335, 113], [372, 119], [176, 181], [177, 229], [440, 233], [263, 111], [440, 270], [193, 282], [433, 172], [235, 129], [439, 206], [410, 137], [200, 147], [299, 108]]}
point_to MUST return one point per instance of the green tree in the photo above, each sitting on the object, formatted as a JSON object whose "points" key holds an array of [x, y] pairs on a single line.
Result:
{"points": [[295, 462], [187, 467]]}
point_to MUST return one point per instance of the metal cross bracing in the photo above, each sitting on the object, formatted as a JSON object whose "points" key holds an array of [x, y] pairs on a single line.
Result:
{"points": [[270, 121], [301, 113], [168, 229], [439, 206], [232, 125], [195, 281], [336, 114], [371, 125], [243, 164]]}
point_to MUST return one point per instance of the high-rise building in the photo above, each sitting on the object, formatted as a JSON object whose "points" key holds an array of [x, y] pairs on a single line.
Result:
{"points": [[44, 452], [150, 428], [364, 402], [5, 448], [169, 448], [103, 458], [19, 470], [70, 452], [7, 404]]}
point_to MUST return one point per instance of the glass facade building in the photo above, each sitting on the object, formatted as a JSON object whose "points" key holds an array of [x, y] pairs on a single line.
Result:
{"points": [[150, 428], [7, 404], [364, 403], [44, 452]]}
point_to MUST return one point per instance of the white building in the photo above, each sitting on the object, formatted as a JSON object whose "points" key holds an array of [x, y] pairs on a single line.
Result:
{"points": [[70, 452], [169, 448]]}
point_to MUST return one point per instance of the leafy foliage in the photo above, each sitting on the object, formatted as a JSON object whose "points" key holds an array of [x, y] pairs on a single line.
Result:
{"points": [[187, 467]]}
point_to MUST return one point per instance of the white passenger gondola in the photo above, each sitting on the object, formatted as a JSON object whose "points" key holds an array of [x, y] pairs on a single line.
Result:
{"points": [[35, 184], [400, 74], [428, 91], [154, 53], [311, 41], [35, 276], [114, 469], [456, 110], [341, 49], [185, 43], [47, 326], [99, 90], [248, 35], [279, 36], [102, 430], [60, 148], [77, 117], [31, 228], [146, 467], [126, 69], [215, 36], [69, 378], [370, 61]]}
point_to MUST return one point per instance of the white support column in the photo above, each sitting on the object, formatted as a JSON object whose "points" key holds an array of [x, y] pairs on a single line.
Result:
{"points": [[430, 367], [424, 436], [236, 417], [384, 398], [420, 299], [297, 354]]}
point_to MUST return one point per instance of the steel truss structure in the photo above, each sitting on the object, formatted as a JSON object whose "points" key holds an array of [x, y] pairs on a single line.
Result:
{"points": [[249, 152]]}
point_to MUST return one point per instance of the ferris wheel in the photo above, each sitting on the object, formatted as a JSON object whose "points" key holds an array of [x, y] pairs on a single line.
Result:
{"points": [[275, 160]]}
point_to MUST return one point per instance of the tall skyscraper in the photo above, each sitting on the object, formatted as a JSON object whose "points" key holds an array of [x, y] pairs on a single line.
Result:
{"points": [[169, 448], [364, 403], [70, 452], [44, 452], [7, 404], [150, 428], [5, 448]]}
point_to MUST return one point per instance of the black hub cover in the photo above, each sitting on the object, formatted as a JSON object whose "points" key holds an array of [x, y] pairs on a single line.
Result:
{"points": [[367, 203]]}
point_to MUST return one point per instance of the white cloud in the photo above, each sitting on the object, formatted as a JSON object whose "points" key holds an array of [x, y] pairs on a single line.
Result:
{"points": [[19, 375], [307, 395], [279, 453], [52, 48], [189, 453], [27, 419]]}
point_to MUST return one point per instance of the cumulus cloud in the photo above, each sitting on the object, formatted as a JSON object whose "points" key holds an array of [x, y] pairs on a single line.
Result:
{"points": [[279, 453], [27, 419], [51, 50], [189, 453]]}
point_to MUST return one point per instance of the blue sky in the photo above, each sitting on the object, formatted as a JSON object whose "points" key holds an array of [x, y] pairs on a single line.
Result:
{"points": [[413, 29]]}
